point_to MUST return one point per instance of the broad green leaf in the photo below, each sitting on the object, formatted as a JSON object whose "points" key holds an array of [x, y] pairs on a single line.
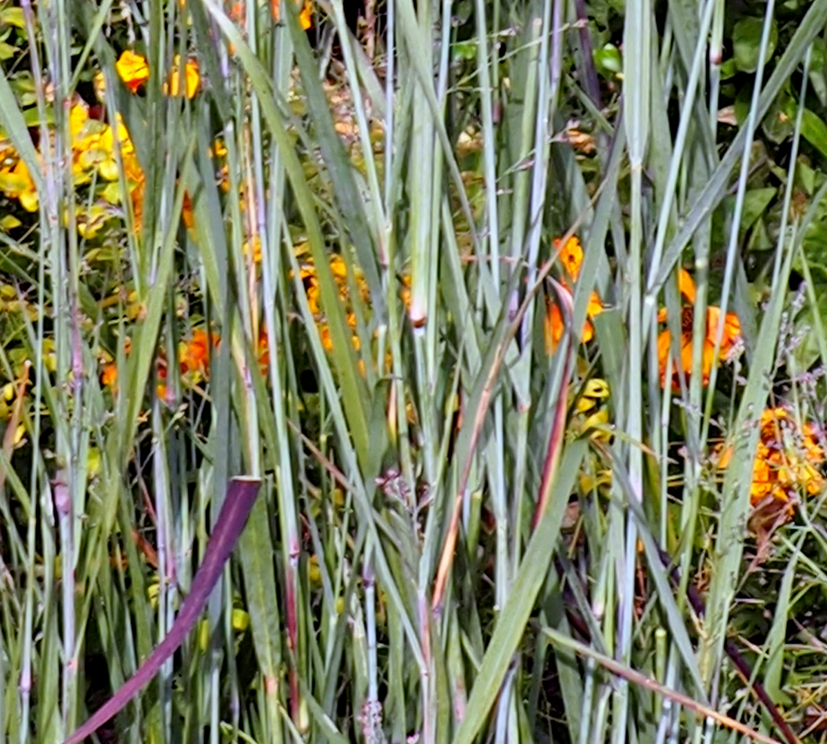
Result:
{"points": [[818, 64], [746, 42], [608, 60], [814, 130], [777, 124], [756, 202]]}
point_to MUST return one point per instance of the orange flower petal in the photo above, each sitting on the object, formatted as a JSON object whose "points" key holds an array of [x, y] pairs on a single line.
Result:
{"points": [[686, 285], [664, 342], [731, 332], [553, 326], [109, 375], [570, 255]]}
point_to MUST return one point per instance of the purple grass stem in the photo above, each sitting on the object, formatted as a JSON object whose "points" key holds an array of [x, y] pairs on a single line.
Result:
{"points": [[241, 495]]}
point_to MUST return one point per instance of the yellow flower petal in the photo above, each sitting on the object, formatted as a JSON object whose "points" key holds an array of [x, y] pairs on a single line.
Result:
{"points": [[29, 200], [191, 75], [132, 69]]}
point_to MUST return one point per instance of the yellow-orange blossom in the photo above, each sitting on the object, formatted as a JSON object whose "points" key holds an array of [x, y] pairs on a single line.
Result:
{"points": [[683, 363], [787, 460], [570, 255]]}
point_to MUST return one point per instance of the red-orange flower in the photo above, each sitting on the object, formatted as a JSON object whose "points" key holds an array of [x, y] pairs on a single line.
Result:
{"points": [[683, 364], [109, 375], [188, 211], [194, 355], [263, 349]]}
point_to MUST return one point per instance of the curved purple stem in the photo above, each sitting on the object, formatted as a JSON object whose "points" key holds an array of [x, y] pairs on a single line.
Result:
{"points": [[241, 495]]}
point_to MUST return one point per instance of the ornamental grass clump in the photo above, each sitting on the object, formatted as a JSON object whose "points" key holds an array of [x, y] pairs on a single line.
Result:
{"points": [[404, 282]]}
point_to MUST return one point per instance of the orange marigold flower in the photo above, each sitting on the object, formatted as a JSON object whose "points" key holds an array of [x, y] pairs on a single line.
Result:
{"points": [[570, 255], [237, 11], [343, 277], [682, 363], [194, 355], [188, 211], [109, 375], [327, 339], [161, 389], [133, 70], [405, 292], [555, 326], [788, 459], [263, 349], [305, 14]]}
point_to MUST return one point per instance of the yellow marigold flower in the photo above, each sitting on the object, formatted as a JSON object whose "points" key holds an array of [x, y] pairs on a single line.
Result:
{"points": [[191, 76], [683, 364], [240, 619], [311, 288], [78, 116], [100, 152], [16, 183], [133, 70], [595, 391], [104, 157], [95, 151], [590, 413], [91, 219], [122, 134]]}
